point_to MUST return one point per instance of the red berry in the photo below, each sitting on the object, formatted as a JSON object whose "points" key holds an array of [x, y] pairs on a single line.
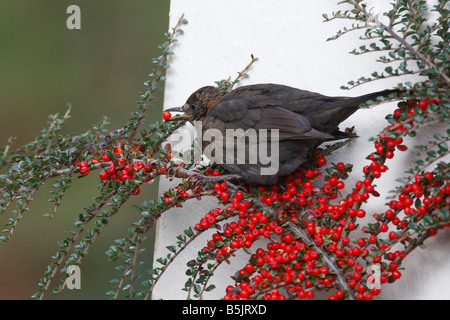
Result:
{"points": [[361, 288], [340, 166], [423, 104], [432, 232], [333, 180], [368, 296], [105, 158], [249, 267], [361, 242], [323, 269], [166, 115], [360, 213], [103, 175], [235, 244], [225, 196], [84, 171], [288, 238], [340, 252], [321, 161], [340, 185], [278, 230], [83, 164], [375, 290], [111, 169], [345, 240], [393, 265]]}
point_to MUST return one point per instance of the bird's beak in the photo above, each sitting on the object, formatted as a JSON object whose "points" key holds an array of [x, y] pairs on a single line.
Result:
{"points": [[180, 116]]}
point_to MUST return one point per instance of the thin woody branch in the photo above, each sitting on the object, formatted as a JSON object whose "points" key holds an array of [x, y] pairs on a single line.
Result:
{"points": [[402, 40]]}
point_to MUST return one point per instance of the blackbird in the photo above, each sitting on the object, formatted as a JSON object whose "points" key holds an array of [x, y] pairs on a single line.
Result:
{"points": [[293, 122]]}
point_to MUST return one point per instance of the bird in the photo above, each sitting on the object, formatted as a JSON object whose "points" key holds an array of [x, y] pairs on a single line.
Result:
{"points": [[298, 121]]}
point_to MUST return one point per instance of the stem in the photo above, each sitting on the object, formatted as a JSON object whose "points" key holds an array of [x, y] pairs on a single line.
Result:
{"points": [[150, 95], [340, 277], [71, 244], [205, 284], [227, 85], [243, 72], [163, 269], [124, 274], [185, 173], [420, 56]]}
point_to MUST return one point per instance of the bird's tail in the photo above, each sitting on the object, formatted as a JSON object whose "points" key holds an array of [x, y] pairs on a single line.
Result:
{"points": [[357, 101], [329, 120]]}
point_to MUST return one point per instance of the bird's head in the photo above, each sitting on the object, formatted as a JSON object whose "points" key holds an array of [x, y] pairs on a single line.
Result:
{"points": [[198, 104]]}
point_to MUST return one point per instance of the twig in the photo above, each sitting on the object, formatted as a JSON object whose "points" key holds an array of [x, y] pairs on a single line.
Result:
{"points": [[185, 173], [71, 244], [420, 56], [340, 278], [150, 95]]}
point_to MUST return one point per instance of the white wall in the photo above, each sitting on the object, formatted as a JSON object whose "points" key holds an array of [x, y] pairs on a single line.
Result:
{"points": [[289, 38]]}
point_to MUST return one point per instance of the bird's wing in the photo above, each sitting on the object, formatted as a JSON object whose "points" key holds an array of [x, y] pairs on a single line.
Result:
{"points": [[323, 113], [260, 112]]}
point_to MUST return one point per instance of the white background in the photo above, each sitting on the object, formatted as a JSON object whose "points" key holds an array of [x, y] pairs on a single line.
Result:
{"points": [[289, 38]]}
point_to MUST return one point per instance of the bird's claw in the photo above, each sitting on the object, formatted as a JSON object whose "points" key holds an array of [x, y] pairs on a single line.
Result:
{"points": [[207, 179]]}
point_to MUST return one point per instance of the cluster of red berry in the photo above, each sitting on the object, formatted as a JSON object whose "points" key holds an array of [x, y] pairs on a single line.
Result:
{"points": [[274, 265], [118, 169], [289, 262], [297, 267], [82, 167], [115, 166], [241, 233]]}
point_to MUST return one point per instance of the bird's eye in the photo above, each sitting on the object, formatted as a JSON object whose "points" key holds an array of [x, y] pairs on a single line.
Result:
{"points": [[189, 107], [194, 105]]}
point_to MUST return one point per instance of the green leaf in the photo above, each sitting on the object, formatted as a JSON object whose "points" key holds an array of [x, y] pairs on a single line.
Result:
{"points": [[172, 248], [444, 213], [210, 288], [197, 288], [431, 153], [413, 226], [428, 220]]}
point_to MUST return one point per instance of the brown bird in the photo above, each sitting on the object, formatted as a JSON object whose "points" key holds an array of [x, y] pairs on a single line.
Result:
{"points": [[294, 121]]}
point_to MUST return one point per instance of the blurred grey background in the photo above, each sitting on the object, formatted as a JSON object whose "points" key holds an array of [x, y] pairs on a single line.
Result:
{"points": [[99, 70]]}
